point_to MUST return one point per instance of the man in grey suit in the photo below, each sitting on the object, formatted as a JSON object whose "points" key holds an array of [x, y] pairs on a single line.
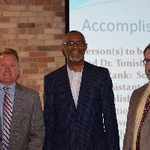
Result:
{"points": [[26, 124], [137, 136]]}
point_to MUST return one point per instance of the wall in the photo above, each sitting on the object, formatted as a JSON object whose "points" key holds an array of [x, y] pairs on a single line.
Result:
{"points": [[35, 28]]}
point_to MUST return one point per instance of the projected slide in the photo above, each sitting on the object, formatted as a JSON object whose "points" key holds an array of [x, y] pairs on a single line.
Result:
{"points": [[117, 31]]}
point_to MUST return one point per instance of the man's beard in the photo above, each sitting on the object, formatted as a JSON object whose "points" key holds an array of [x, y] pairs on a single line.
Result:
{"points": [[75, 59]]}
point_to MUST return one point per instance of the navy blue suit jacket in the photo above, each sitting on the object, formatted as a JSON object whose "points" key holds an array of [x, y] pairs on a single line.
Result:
{"points": [[90, 126]]}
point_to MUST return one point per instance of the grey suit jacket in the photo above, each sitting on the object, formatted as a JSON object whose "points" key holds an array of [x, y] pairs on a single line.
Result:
{"points": [[27, 130], [145, 131]]}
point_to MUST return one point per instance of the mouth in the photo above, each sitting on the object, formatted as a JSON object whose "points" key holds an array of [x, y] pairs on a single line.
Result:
{"points": [[75, 52], [7, 75]]}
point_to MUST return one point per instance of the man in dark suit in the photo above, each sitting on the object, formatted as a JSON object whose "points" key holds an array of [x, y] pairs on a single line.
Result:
{"points": [[79, 110], [25, 130], [137, 136]]}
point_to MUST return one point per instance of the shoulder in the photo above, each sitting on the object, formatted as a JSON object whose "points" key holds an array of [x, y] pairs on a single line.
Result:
{"points": [[56, 72], [138, 92], [98, 69], [21, 88], [141, 89]]}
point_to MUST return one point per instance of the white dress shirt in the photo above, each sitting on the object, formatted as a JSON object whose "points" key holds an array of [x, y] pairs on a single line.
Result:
{"points": [[75, 82]]}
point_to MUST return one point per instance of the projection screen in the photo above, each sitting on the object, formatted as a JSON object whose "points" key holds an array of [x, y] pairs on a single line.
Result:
{"points": [[117, 31]]}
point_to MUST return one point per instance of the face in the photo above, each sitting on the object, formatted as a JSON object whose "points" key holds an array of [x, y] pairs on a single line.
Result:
{"points": [[147, 65], [74, 52], [9, 69]]}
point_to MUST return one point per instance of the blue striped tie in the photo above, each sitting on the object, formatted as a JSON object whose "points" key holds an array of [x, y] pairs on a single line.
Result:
{"points": [[7, 110]]}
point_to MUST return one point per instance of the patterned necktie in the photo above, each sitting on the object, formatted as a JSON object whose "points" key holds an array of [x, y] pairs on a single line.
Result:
{"points": [[145, 113], [7, 110]]}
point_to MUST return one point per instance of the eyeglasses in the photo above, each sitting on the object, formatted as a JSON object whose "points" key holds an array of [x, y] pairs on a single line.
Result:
{"points": [[146, 61], [72, 43]]}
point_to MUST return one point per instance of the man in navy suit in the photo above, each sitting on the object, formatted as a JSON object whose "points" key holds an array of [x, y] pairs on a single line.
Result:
{"points": [[79, 110]]}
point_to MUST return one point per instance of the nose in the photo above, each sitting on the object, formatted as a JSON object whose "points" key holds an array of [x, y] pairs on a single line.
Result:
{"points": [[75, 45], [7, 67]]}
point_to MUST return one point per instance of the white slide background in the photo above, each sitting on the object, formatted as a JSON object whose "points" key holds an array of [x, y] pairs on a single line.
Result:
{"points": [[117, 31]]}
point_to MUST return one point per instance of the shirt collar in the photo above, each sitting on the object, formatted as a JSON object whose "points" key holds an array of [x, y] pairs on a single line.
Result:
{"points": [[12, 86], [71, 71]]}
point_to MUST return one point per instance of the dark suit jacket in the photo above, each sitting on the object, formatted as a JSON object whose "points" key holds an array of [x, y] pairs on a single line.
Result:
{"points": [[145, 131], [27, 120], [81, 128]]}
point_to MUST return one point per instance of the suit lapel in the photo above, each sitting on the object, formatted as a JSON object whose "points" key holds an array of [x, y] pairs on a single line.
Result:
{"points": [[135, 104], [85, 81], [138, 98], [18, 105], [66, 85]]}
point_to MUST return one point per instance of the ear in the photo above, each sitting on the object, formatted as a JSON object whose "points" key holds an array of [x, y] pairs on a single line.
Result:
{"points": [[18, 72], [85, 47], [63, 48]]}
